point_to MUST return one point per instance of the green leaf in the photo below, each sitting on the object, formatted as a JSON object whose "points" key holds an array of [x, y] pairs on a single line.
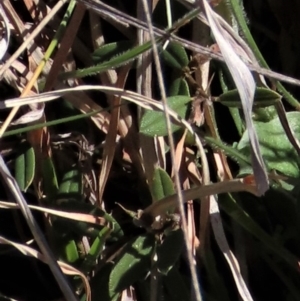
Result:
{"points": [[276, 149], [71, 185], [90, 259], [264, 114], [132, 264], [71, 253], [169, 252], [262, 98], [175, 56], [69, 233], [179, 87], [236, 116], [115, 62], [128, 55], [86, 229], [153, 122], [108, 51], [229, 151], [51, 123], [25, 167], [49, 179], [162, 184]]}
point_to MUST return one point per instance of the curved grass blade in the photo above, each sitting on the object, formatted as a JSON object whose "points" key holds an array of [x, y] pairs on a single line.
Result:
{"points": [[246, 87]]}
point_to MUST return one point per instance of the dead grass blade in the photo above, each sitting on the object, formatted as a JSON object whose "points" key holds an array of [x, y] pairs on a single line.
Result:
{"points": [[149, 145], [65, 45], [30, 38], [110, 140], [136, 98], [105, 10], [85, 104], [81, 217], [32, 82], [5, 39], [67, 269], [36, 231], [220, 237], [168, 202], [246, 86], [224, 173]]}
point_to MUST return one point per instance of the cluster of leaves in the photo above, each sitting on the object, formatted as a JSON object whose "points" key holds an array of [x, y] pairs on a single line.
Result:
{"points": [[85, 163]]}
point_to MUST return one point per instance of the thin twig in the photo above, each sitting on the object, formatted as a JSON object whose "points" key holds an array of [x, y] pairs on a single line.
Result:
{"points": [[29, 39], [196, 287], [104, 10], [36, 232]]}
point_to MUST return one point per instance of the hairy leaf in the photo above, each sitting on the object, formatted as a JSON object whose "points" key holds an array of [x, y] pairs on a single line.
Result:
{"points": [[277, 151], [133, 263], [153, 122]]}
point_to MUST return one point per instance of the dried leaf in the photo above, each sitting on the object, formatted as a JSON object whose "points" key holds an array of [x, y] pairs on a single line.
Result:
{"points": [[67, 269], [246, 87], [4, 41], [220, 237]]}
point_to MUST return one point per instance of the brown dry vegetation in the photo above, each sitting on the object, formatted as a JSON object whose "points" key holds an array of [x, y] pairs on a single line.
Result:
{"points": [[85, 133]]}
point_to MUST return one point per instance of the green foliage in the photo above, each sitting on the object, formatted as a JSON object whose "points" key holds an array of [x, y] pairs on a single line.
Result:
{"points": [[49, 179], [70, 252], [175, 56], [117, 255], [69, 233], [162, 184], [25, 166], [153, 123], [111, 50], [179, 86], [263, 98], [132, 264], [277, 150], [71, 185], [84, 228], [115, 62]]}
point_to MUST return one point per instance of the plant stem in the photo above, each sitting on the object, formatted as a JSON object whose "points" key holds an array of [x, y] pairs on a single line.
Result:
{"points": [[239, 15]]}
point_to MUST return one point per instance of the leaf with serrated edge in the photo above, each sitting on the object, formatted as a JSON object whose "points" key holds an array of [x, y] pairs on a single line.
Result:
{"points": [[110, 50]]}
